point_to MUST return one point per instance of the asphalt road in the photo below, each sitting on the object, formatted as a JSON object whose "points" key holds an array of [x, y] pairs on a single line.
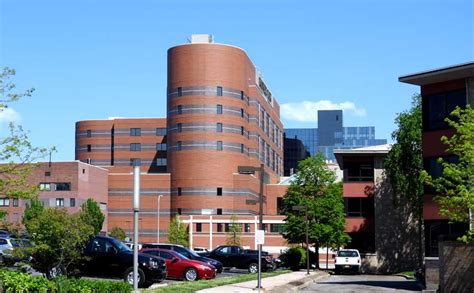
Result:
{"points": [[363, 283]]}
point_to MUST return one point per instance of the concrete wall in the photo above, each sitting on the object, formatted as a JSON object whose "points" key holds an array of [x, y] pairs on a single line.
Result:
{"points": [[456, 267]]}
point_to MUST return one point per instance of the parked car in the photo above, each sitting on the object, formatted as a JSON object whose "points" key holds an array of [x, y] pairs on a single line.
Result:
{"points": [[236, 257], [348, 260], [7, 247], [181, 267], [187, 253], [109, 257], [199, 250]]}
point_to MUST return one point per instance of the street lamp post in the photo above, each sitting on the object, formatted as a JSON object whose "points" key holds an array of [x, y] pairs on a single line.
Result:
{"points": [[305, 209], [158, 220]]}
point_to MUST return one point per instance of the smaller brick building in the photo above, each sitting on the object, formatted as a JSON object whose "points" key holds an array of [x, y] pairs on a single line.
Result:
{"points": [[63, 184]]}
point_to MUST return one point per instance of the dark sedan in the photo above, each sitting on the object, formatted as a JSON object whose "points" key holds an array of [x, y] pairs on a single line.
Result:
{"points": [[187, 253]]}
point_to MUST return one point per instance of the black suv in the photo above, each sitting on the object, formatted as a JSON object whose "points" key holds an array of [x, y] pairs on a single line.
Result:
{"points": [[187, 253], [236, 257], [108, 257]]}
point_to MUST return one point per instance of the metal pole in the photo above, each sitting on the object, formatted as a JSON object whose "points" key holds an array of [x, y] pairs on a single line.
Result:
{"points": [[307, 242], [136, 208], [158, 220], [260, 214], [327, 255]]}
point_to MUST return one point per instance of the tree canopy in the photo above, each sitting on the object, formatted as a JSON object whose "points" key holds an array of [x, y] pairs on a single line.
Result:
{"points": [[90, 213], [118, 233], [235, 230], [177, 233]]}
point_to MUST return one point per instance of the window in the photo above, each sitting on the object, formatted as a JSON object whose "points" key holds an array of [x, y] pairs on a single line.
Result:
{"points": [[180, 127], [219, 127], [359, 206], [226, 227], [247, 228], [276, 228], [83, 171], [434, 168], [242, 113], [59, 202], [179, 145], [219, 145], [179, 211], [219, 227], [161, 131], [72, 202], [219, 191], [63, 186], [135, 162], [45, 186], [439, 106], [242, 148], [161, 162], [180, 109], [219, 109], [161, 146], [103, 206], [134, 147], [242, 130], [135, 131], [89, 133], [15, 202], [219, 91], [198, 227], [180, 92], [219, 211], [4, 202], [242, 95], [179, 191], [279, 205], [264, 227], [89, 148], [47, 174]]}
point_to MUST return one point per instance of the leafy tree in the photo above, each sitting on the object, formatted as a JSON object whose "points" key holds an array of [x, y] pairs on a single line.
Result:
{"points": [[16, 151], [118, 233], [235, 230], [455, 185], [404, 163], [32, 210], [177, 233], [91, 214], [59, 239], [314, 187]]}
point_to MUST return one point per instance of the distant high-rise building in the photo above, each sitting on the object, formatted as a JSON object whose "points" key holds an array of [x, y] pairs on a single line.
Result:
{"points": [[331, 135], [294, 152]]}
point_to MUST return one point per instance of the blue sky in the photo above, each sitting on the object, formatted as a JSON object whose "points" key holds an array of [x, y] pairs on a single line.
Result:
{"points": [[97, 59]]}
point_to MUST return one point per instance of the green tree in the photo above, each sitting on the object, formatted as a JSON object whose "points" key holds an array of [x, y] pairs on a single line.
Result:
{"points": [[32, 210], [235, 230], [118, 233], [177, 233], [404, 164], [455, 185], [91, 214], [314, 187], [16, 151], [59, 240]]}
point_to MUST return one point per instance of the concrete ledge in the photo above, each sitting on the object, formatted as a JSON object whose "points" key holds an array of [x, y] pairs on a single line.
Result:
{"points": [[300, 283]]}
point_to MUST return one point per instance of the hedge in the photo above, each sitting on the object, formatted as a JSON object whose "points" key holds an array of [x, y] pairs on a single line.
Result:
{"points": [[13, 281]]}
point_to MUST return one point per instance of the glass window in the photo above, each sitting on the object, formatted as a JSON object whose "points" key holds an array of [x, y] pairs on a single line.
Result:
{"points": [[359, 207], [225, 250], [180, 127], [15, 202], [45, 186], [219, 191], [219, 227], [439, 106], [89, 133], [179, 191], [161, 146], [47, 174], [179, 211], [276, 228], [59, 202], [4, 202], [219, 211], [219, 145], [63, 186], [226, 227], [242, 95], [161, 161], [89, 148], [219, 127], [279, 205], [135, 162], [180, 92], [242, 113], [135, 131], [134, 147], [179, 145], [242, 148], [219, 109], [242, 130], [72, 202], [161, 131], [198, 227], [166, 255], [247, 228], [219, 91], [180, 109]]}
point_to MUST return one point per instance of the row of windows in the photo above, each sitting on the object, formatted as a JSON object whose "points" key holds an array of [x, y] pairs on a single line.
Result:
{"points": [[137, 147], [219, 92], [58, 186], [160, 162], [219, 128], [60, 202], [5, 202], [218, 191], [439, 106], [274, 228], [136, 132], [219, 110], [219, 146]]}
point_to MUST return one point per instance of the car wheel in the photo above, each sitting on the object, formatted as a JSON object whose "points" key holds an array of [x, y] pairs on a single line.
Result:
{"points": [[128, 277], [190, 274], [253, 268]]}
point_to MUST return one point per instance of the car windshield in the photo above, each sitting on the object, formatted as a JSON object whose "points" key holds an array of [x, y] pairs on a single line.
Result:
{"points": [[120, 245], [347, 253], [15, 242], [180, 255]]}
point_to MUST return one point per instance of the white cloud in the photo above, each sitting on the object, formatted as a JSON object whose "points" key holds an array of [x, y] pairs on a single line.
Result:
{"points": [[307, 111], [8, 115]]}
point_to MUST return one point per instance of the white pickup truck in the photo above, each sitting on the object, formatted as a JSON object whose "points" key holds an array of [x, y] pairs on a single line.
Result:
{"points": [[348, 260]]}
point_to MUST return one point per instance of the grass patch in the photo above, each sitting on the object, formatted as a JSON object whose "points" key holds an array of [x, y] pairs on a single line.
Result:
{"points": [[409, 274], [188, 287]]}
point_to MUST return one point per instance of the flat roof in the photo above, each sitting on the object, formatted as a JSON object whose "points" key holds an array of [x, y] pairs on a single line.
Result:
{"points": [[440, 74], [376, 150]]}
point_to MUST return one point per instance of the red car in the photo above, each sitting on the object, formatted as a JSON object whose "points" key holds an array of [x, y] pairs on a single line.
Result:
{"points": [[181, 267]]}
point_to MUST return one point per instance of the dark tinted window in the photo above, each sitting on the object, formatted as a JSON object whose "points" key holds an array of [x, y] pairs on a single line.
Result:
{"points": [[180, 109], [439, 106], [219, 145], [180, 91], [347, 253], [219, 109], [3, 241], [219, 191], [135, 131], [166, 255], [135, 147], [63, 186], [219, 91], [161, 131], [219, 127], [152, 252]]}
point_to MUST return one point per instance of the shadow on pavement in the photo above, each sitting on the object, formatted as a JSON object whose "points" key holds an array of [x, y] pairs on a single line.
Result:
{"points": [[398, 285]]}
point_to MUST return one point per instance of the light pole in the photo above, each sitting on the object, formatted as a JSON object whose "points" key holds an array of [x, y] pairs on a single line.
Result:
{"points": [[305, 209], [136, 208], [158, 220]]}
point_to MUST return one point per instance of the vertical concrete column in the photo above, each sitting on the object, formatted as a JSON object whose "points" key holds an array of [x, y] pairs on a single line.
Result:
{"points": [[191, 232], [210, 232]]}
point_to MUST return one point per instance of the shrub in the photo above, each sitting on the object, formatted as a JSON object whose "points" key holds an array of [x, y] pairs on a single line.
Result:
{"points": [[12, 281], [294, 258]]}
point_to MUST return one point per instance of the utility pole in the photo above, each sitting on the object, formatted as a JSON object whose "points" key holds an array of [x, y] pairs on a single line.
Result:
{"points": [[260, 215], [158, 220], [136, 208]]}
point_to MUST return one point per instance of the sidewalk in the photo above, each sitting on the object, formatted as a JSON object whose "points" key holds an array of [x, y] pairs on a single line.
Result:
{"points": [[280, 283]]}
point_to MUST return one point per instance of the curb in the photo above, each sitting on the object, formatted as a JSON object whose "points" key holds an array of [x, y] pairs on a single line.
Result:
{"points": [[301, 283]]}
